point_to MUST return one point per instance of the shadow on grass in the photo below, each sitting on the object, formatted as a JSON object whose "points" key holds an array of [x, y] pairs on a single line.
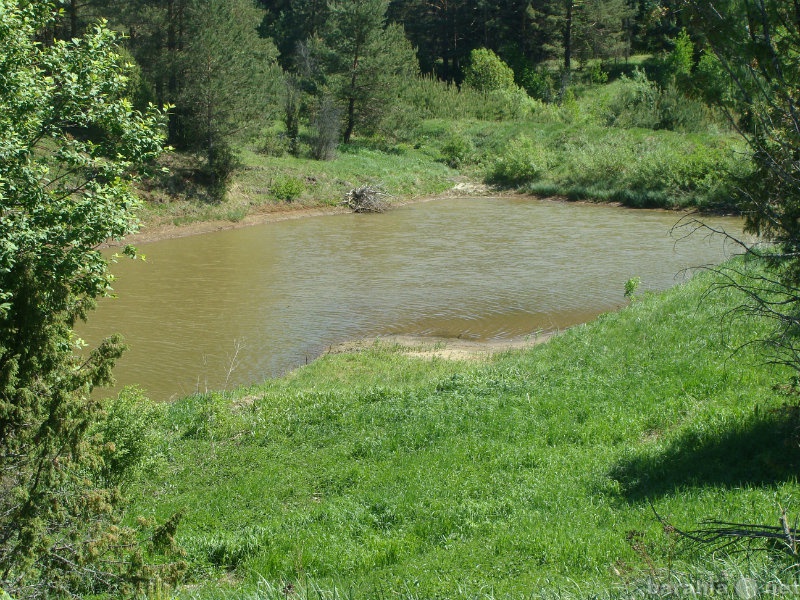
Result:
{"points": [[762, 450]]}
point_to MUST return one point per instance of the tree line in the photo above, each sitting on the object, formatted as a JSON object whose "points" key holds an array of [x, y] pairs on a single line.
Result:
{"points": [[338, 64]]}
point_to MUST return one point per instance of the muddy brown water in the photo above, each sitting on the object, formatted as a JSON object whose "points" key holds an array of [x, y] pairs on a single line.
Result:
{"points": [[238, 306]]}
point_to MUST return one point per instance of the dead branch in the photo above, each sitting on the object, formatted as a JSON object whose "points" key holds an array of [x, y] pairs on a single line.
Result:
{"points": [[722, 534], [366, 199]]}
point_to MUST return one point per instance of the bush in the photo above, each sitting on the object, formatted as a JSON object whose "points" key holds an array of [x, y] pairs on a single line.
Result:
{"points": [[539, 84], [523, 162], [127, 432], [219, 169], [640, 102], [596, 74], [635, 103], [486, 72], [710, 81], [457, 151], [678, 112], [287, 188], [681, 60], [274, 143]]}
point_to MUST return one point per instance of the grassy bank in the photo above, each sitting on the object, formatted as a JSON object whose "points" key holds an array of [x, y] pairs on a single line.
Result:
{"points": [[375, 474], [600, 144]]}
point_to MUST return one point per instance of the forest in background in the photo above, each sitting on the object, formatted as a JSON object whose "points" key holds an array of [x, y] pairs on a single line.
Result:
{"points": [[375, 69]]}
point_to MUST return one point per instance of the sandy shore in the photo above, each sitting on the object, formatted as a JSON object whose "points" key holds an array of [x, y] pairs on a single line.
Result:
{"points": [[444, 348]]}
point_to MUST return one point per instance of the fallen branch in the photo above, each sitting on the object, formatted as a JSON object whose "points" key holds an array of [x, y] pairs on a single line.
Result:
{"points": [[721, 534]]}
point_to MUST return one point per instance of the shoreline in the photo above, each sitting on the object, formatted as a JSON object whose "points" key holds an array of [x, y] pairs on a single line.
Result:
{"points": [[273, 213], [433, 347]]}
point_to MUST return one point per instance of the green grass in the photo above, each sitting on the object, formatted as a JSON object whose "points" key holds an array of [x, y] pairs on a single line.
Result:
{"points": [[423, 150], [379, 475]]}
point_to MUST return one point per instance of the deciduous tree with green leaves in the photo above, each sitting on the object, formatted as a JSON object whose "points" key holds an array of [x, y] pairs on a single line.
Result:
{"points": [[70, 146]]}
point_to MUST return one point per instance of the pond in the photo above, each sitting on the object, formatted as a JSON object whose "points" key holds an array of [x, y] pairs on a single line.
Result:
{"points": [[238, 306]]}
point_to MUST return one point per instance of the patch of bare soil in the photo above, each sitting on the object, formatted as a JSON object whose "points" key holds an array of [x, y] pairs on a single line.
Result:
{"points": [[444, 348]]}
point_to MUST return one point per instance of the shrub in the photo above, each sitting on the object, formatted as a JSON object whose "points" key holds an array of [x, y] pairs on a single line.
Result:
{"points": [[596, 75], [681, 60], [539, 84], [457, 151], [677, 112], [635, 103], [287, 188], [710, 80], [219, 169], [274, 143], [523, 162], [486, 72], [127, 432]]}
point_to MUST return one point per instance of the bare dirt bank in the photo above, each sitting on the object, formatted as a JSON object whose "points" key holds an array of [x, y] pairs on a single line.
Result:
{"points": [[169, 231]]}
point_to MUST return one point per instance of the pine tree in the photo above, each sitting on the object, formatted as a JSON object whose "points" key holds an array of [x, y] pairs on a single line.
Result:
{"points": [[227, 75], [365, 60]]}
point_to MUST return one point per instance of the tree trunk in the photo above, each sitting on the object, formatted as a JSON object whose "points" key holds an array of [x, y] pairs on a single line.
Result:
{"points": [[568, 38], [351, 101], [73, 18], [351, 118]]}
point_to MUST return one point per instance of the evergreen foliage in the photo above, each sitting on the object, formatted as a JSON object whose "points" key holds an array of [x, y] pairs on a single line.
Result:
{"points": [[365, 60], [226, 78], [70, 145], [757, 44]]}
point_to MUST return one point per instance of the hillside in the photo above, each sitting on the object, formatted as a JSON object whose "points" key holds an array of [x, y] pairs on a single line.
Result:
{"points": [[375, 474]]}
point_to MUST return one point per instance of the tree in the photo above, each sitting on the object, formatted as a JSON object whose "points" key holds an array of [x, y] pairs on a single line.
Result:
{"points": [[70, 145], [290, 22], [599, 29], [583, 28], [366, 61], [227, 75], [757, 45]]}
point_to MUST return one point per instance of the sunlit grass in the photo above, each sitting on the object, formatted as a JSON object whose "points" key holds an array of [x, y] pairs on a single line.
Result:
{"points": [[378, 475]]}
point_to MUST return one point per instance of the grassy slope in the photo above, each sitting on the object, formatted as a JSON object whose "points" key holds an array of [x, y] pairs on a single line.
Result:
{"points": [[382, 475], [576, 154]]}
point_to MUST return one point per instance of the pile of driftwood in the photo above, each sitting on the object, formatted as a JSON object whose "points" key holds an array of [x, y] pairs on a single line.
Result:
{"points": [[366, 199]]}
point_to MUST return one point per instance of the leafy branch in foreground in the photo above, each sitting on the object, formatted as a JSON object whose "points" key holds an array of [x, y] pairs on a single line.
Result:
{"points": [[70, 146]]}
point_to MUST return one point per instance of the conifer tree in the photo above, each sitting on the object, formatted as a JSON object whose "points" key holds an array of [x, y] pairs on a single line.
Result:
{"points": [[228, 73], [365, 60]]}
